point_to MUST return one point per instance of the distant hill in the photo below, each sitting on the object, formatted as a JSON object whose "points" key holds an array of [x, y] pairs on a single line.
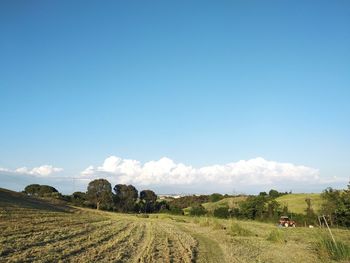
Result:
{"points": [[296, 202]]}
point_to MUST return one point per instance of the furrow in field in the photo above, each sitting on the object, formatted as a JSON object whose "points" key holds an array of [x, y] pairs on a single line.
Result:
{"points": [[25, 231], [39, 239], [123, 247], [55, 247], [87, 249], [181, 245], [157, 249]]}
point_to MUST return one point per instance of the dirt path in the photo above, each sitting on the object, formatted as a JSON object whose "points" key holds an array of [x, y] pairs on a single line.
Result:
{"points": [[208, 250]]}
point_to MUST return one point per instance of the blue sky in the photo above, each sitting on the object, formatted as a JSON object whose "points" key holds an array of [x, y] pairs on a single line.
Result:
{"points": [[199, 82]]}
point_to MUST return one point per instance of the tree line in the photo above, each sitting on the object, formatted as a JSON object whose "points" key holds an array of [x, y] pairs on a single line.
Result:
{"points": [[263, 207], [100, 195]]}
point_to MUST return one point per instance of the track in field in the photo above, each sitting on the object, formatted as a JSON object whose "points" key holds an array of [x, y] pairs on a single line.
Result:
{"points": [[29, 235]]}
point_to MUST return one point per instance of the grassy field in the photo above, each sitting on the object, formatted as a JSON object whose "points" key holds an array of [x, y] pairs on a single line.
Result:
{"points": [[296, 202], [39, 231], [230, 202]]}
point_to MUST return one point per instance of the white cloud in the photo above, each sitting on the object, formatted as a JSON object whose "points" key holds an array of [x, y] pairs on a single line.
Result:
{"points": [[43, 170], [165, 172], [166, 176]]}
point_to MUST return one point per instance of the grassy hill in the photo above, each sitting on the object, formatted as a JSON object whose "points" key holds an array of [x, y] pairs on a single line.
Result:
{"points": [[296, 202], [46, 231], [230, 202]]}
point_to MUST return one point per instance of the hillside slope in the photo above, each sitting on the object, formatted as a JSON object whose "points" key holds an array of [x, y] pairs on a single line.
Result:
{"points": [[296, 202], [230, 202], [11, 199]]}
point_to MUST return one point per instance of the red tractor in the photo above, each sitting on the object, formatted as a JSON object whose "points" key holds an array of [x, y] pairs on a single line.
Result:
{"points": [[286, 222]]}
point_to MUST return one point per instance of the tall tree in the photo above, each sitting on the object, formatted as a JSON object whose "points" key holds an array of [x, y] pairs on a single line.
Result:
{"points": [[99, 193], [125, 197], [310, 214], [148, 198]]}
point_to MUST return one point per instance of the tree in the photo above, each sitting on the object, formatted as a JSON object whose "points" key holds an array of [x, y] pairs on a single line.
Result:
{"points": [[253, 207], [46, 190], [221, 212], [78, 198], [148, 198], [274, 193], [197, 210], [125, 197], [332, 200], [32, 189], [310, 215], [99, 193], [41, 190], [337, 206], [273, 208], [215, 197]]}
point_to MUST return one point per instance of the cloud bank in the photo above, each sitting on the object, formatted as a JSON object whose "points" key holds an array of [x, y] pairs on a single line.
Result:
{"points": [[166, 176], [166, 173], [44, 170]]}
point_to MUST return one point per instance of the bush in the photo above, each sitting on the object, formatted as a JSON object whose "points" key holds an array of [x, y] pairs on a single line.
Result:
{"points": [[175, 210], [276, 236], [215, 197], [237, 230], [221, 212], [197, 210]]}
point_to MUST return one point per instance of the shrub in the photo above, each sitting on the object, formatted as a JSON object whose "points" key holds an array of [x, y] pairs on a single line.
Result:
{"points": [[221, 212], [198, 210], [175, 210], [215, 197], [276, 236], [237, 230]]}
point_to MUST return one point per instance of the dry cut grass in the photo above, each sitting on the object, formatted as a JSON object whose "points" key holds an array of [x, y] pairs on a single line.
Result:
{"points": [[34, 231]]}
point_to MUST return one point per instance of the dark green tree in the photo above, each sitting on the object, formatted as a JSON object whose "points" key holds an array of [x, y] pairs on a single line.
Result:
{"points": [[32, 189], [41, 190], [79, 198], [273, 209], [148, 198], [253, 207], [310, 214], [99, 193], [221, 212], [337, 206], [215, 197], [274, 193], [125, 197], [197, 210]]}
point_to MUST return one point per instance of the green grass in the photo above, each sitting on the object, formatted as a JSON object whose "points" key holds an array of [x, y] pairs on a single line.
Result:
{"points": [[336, 250], [276, 236], [237, 229], [296, 202]]}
